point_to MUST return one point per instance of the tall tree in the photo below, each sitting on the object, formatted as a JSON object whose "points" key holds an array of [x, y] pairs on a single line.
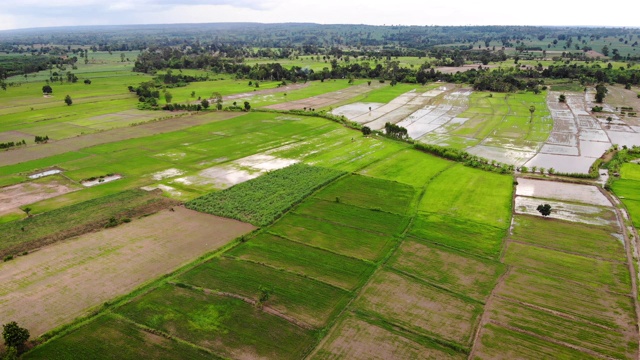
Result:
{"points": [[67, 100]]}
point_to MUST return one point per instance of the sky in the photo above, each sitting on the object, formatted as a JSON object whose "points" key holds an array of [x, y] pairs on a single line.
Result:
{"points": [[32, 13]]}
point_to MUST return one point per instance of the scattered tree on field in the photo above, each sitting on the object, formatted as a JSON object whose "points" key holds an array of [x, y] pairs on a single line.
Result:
{"points": [[366, 131], [544, 210], [67, 100], [14, 335], [27, 210], [205, 103], [218, 99], [532, 109], [609, 120], [87, 82], [47, 90], [247, 106], [168, 97], [562, 98], [601, 92]]}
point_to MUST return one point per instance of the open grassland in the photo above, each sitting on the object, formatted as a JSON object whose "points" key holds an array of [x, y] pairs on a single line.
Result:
{"points": [[310, 301], [371, 193], [466, 193], [95, 341], [323, 265], [228, 326], [266, 198], [354, 338], [66, 280], [340, 239], [408, 166], [472, 276], [35, 231]]}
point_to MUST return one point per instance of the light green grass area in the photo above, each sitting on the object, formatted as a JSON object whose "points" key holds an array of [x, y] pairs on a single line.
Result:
{"points": [[409, 166], [365, 219], [467, 236], [493, 339], [305, 299], [337, 270], [568, 236], [506, 117], [96, 341], [630, 171], [337, 238], [225, 325], [371, 193], [260, 201], [459, 272], [576, 332], [470, 194], [611, 275]]}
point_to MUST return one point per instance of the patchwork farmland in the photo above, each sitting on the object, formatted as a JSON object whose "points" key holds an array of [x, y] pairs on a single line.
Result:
{"points": [[275, 226]]}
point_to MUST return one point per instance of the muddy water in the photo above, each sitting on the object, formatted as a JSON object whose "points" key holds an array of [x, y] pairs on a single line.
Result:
{"points": [[593, 215], [587, 194]]}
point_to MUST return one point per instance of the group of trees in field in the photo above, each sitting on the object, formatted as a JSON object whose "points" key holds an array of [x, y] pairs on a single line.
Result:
{"points": [[395, 131], [10, 144], [15, 339]]}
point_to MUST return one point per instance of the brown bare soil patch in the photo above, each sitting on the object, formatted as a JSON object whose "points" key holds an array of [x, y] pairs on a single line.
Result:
{"points": [[14, 196], [81, 142], [356, 339], [463, 68], [463, 274], [324, 100], [420, 307], [66, 280], [264, 92]]}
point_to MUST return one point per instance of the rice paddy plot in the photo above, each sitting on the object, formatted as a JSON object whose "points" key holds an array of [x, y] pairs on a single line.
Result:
{"points": [[109, 335], [353, 216], [344, 240], [227, 326], [470, 194], [334, 269], [582, 239], [419, 307], [467, 236], [613, 276], [586, 300], [371, 193], [583, 214], [409, 166], [309, 301], [494, 337], [354, 338], [458, 272], [572, 331]]}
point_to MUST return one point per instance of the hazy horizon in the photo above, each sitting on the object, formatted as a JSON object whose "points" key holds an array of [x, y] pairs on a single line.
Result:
{"points": [[58, 13]]}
